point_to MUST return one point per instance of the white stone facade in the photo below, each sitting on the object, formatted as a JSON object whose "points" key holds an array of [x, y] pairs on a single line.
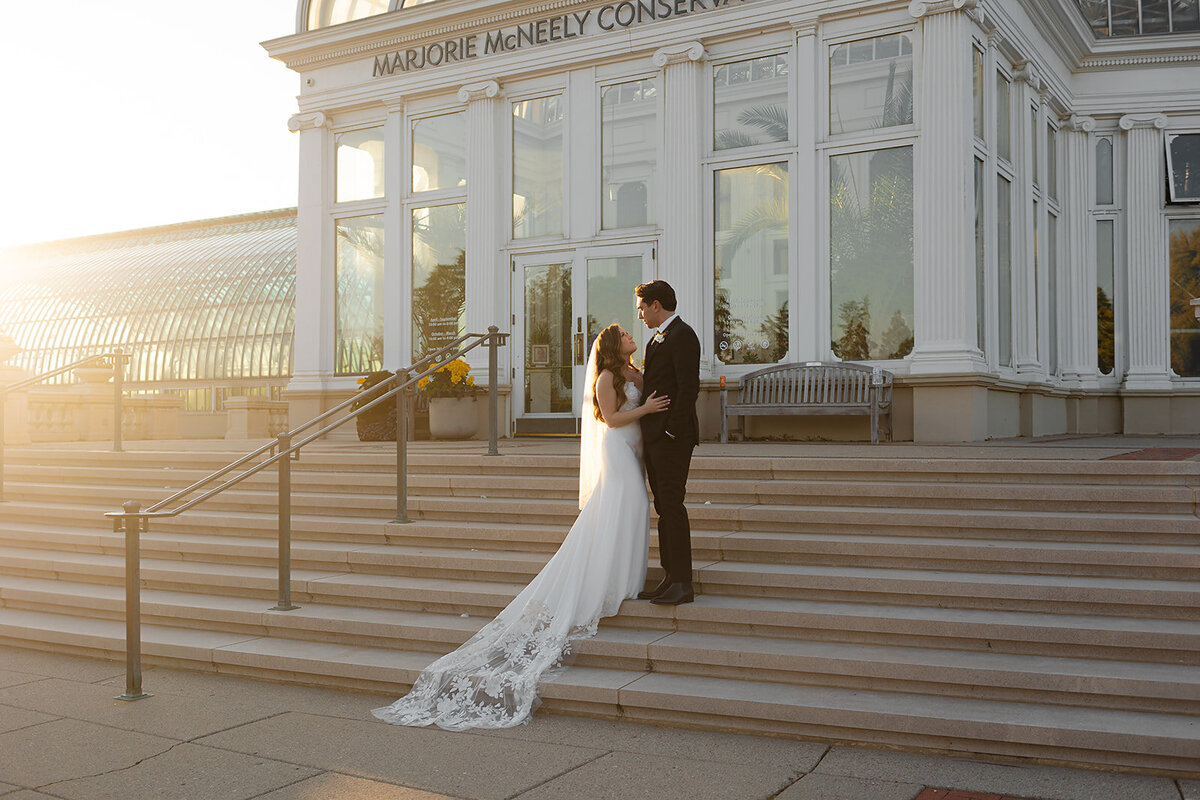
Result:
{"points": [[999, 306]]}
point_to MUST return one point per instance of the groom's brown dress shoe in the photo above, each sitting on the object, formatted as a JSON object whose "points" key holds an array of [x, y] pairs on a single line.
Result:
{"points": [[675, 594], [650, 594]]}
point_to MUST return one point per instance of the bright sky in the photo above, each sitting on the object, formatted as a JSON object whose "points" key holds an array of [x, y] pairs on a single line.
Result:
{"points": [[122, 114]]}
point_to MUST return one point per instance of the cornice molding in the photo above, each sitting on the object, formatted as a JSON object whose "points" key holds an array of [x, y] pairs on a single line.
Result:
{"points": [[807, 27], [927, 8], [678, 54], [1081, 123], [1133, 61], [308, 121], [1132, 121], [484, 90]]}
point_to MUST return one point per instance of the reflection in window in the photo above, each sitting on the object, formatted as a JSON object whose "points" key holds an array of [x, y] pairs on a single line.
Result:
{"points": [[751, 212], [1033, 143], [629, 152], [439, 298], [1185, 285], [360, 165], [1105, 297], [1052, 291], [334, 12], [977, 89], [537, 167], [439, 148], [1003, 117], [1104, 172], [358, 307], [871, 84], [608, 290], [980, 264], [871, 254], [1126, 18], [1052, 162], [1004, 267], [1183, 156], [548, 339], [750, 102]]}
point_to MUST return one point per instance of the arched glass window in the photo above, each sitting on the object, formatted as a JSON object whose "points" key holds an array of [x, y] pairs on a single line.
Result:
{"points": [[323, 13]]}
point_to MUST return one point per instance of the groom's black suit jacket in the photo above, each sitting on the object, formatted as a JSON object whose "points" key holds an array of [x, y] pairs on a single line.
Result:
{"points": [[672, 368]]}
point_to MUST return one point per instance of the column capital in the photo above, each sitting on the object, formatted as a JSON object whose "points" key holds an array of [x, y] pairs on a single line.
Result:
{"points": [[1026, 72], [484, 90], [804, 27], [679, 54], [314, 119], [1083, 124], [1131, 121], [927, 8]]}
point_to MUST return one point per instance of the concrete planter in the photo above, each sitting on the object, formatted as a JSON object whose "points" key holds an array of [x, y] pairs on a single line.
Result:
{"points": [[453, 417]]}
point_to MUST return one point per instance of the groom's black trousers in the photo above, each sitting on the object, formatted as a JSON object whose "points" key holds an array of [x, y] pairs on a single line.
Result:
{"points": [[667, 465]]}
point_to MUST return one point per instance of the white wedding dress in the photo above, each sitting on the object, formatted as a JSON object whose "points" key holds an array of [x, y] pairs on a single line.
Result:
{"points": [[491, 681]]}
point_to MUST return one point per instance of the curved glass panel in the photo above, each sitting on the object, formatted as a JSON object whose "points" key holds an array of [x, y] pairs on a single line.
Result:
{"points": [[323, 13], [209, 303]]}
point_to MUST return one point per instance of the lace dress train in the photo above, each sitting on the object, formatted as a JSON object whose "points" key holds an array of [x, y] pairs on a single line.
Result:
{"points": [[491, 681]]}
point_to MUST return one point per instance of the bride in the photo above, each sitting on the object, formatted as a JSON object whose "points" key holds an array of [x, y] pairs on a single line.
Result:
{"points": [[491, 681]]}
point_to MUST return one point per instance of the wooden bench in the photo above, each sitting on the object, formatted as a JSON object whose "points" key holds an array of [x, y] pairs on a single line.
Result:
{"points": [[814, 387]]}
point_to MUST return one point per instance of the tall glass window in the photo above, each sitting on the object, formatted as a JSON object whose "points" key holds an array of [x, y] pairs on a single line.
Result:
{"points": [[1051, 162], [628, 153], [871, 84], [1105, 297], [980, 263], [977, 89], [1185, 285], [439, 152], [1104, 172], [439, 242], [750, 102], [1033, 144], [1004, 267], [871, 254], [1052, 292], [537, 180], [1003, 117], [751, 274], [359, 164], [359, 297]]}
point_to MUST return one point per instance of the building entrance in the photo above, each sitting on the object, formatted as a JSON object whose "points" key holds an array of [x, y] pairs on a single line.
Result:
{"points": [[562, 300]]}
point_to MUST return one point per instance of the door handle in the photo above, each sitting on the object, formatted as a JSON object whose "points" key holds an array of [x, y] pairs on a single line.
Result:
{"points": [[578, 348]]}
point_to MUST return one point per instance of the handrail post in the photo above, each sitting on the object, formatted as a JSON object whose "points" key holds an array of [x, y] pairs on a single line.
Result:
{"points": [[402, 449], [493, 393], [118, 391], [133, 603], [284, 602]]}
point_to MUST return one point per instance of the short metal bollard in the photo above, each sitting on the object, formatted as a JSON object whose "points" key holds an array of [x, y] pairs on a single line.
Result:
{"points": [[133, 603]]}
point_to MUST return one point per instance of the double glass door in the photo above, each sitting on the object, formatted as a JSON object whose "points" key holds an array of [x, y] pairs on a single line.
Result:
{"points": [[562, 301]]}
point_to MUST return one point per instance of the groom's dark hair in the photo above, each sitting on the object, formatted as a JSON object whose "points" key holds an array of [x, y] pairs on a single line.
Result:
{"points": [[657, 290]]}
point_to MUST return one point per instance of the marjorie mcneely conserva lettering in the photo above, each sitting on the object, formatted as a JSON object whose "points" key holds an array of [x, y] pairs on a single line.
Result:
{"points": [[539, 32]]}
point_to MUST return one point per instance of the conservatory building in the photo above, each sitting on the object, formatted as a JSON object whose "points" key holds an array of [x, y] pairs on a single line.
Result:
{"points": [[998, 201]]}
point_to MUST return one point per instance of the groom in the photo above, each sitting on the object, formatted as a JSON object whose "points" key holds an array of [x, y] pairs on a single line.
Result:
{"points": [[672, 369]]}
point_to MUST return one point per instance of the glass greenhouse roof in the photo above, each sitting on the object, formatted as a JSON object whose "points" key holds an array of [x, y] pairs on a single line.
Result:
{"points": [[323, 13], [204, 301], [1111, 18]]}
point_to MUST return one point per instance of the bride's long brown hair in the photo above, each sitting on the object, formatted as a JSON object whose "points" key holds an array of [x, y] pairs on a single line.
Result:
{"points": [[608, 357]]}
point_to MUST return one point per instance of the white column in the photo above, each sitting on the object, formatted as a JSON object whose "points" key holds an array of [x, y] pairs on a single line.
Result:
{"points": [[681, 251], [1025, 291], [396, 274], [1146, 256], [810, 322], [1077, 264], [313, 338], [487, 293], [944, 213]]}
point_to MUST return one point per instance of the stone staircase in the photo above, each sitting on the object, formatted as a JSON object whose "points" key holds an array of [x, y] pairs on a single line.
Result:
{"points": [[1043, 609]]}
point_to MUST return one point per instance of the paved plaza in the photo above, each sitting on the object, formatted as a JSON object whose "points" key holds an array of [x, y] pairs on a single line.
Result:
{"points": [[216, 737]]}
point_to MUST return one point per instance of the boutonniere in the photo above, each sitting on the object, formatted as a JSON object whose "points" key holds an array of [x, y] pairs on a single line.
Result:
{"points": [[658, 337]]}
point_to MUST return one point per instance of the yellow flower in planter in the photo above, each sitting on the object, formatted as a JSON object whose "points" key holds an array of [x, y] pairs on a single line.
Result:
{"points": [[450, 380]]}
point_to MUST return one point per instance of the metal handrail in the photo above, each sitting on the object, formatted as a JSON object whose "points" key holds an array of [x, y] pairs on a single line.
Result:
{"points": [[119, 358], [285, 447]]}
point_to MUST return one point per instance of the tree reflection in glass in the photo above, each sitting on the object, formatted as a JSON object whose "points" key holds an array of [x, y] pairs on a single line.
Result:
{"points": [[871, 254], [439, 276], [1185, 286], [358, 304]]}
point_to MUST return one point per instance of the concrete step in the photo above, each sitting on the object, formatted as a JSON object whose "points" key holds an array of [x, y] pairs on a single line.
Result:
{"points": [[1114, 737], [524, 552]]}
